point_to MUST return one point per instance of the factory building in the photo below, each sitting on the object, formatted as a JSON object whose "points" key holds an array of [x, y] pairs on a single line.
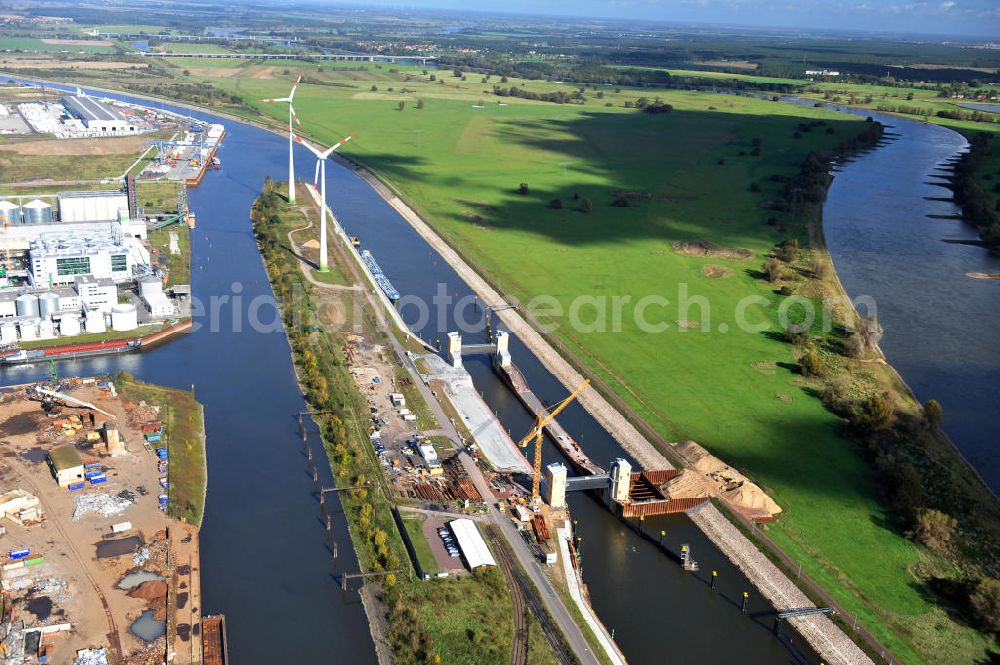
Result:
{"points": [[59, 258], [153, 297], [97, 206], [96, 294], [65, 464], [96, 116], [477, 555]]}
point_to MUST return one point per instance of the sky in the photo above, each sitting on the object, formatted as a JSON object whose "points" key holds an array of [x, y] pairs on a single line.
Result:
{"points": [[969, 18]]}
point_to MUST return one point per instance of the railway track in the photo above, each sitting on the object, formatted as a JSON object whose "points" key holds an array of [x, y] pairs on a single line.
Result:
{"points": [[524, 599]]}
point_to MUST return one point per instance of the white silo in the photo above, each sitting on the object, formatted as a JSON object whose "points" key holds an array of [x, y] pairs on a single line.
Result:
{"points": [[46, 329], [124, 317], [8, 332], [69, 325], [48, 304], [28, 329], [11, 211], [27, 305], [95, 322], [149, 286], [37, 212]]}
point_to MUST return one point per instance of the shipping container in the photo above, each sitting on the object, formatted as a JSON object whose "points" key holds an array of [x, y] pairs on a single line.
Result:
{"points": [[18, 554], [98, 480], [92, 474], [92, 465], [161, 453], [409, 417], [121, 527], [34, 561], [75, 486], [152, 438]]}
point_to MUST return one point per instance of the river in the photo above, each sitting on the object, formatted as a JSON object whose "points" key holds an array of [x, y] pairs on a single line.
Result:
{"points": [[887, 241], [265, 559]]}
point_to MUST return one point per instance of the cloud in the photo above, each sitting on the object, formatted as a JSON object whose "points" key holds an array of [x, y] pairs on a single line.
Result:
{"points": [[948, 4]]}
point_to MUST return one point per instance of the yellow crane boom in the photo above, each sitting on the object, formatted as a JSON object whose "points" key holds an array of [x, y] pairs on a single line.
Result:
{"points": [[538, 431]]}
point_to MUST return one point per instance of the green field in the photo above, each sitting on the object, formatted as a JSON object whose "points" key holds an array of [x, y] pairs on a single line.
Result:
{"points": [[191, 47], [36, 44], [414, 524], [22, 168], [460, 167]]}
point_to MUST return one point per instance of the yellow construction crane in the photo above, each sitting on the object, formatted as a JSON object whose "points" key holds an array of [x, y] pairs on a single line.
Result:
{"points": [[538, 431]]}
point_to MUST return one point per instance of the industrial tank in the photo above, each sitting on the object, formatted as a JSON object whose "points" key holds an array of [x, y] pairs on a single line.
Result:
{"points": [[48, 304], [69, 326], [28, 329], [11, 211], [95, 322], [46, 330], [8, 332], [124, 317], [27, 305], [37, 212]]}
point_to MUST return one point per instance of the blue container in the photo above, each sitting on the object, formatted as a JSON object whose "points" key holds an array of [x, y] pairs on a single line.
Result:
{"points": [[16, 555], [75, 486], [152, 438], [92, 474], [92, 465], [98, 480], [163, 499], [161, 453], [103, 383]]}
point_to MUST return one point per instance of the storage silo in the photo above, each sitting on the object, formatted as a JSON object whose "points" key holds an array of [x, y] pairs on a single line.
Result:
{"points": [[37, 212], [95, 322], [46, 329], [124, 317], [27, 305], [28, 329], [48, 304], [8, 332], [11, 211], [69, 326]]}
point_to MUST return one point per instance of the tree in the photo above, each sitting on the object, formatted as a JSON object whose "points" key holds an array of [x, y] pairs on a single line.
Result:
{"points": [[457, 73], [420, 104], [933, 413], [374, 88], [187, 72], [433, 77], [523, 190], [788, 250], [871, 332], [812, 364], [854, 346], [402, 105], [935, 529], [878, 412], [774, 270], [586, 205], [985, 603], [556, 204]]}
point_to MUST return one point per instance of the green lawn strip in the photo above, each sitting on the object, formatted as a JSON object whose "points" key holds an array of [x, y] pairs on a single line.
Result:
{"points": [[184, 436], [332, 276], [178, 265], [157, 196], [19, 168], [414, 524], [86, 338]]}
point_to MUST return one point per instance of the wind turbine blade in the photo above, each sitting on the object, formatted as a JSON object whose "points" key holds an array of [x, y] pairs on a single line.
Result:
{"points": [[298, 139], [294, 115], [279, 99], [335, 146], [295, 87]]}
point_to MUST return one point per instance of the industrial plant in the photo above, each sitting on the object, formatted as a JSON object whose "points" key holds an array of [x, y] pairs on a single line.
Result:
{"points": [[78, 262]]}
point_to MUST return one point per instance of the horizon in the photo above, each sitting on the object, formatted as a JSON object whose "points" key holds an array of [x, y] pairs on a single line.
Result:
{"points": [[977, 20]]}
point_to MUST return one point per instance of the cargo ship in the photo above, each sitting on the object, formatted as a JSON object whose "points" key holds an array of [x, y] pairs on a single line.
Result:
{"points": [[24, 356], [379, 277]]}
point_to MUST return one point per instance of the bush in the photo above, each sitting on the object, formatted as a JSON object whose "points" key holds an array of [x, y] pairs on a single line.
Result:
{"points": [[933, 413], [773, 270], [788, 250], [523, 190], [984, 601], [621, 202], [586, 205], [812, 365], [935, 529], [556, 204]]}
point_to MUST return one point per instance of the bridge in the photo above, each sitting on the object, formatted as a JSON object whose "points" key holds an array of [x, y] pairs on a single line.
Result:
{"points": [[343, 57], [798, 612]]}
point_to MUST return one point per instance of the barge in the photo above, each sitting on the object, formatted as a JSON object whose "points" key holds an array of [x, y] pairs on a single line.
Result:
{"points": [[379, 277], [70, 351]]}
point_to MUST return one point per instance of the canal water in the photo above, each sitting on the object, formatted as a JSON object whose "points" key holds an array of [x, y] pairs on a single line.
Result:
{"points": [[265, 559], [896, 236]]}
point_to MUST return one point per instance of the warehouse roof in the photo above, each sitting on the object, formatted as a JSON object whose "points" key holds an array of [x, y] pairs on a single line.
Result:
{"points": [[90, 109], [65, 457], [471, 542]]}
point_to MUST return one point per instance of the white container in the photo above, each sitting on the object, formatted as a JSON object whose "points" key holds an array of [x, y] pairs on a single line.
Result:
{"points": [[69, 326], [28, 329], [121, 527], [95, 323], [124, 317], [8, 333]]}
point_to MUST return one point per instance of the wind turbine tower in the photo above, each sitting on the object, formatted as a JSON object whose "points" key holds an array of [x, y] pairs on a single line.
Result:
{"points": [[321, 157], [291, 136]]}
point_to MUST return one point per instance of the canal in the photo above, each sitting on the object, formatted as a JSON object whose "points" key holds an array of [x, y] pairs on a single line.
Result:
{"points": [[265, 559]]}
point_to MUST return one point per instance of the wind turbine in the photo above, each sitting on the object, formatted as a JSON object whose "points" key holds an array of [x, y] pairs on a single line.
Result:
{"points": [[291, 116], [321, 157]]}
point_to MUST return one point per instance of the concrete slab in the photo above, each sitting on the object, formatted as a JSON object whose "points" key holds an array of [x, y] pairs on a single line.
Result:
{"points": [[493, 441]]}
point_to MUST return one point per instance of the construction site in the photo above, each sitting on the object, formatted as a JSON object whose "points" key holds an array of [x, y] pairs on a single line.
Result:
{"points": [[94, 571]]}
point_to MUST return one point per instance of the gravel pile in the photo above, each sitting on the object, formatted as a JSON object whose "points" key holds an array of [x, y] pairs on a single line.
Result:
{"points": [[107, 505], [825, 636]]}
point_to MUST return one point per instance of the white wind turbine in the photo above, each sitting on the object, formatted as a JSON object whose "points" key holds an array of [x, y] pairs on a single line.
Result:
{"points": [[321, 157], [291, 116]]}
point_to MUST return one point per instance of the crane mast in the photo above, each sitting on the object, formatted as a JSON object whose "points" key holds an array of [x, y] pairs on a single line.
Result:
{"points": [[537, 433]]}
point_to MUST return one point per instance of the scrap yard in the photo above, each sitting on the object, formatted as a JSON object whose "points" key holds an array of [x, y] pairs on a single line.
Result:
{"points": [[94, 568]]}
